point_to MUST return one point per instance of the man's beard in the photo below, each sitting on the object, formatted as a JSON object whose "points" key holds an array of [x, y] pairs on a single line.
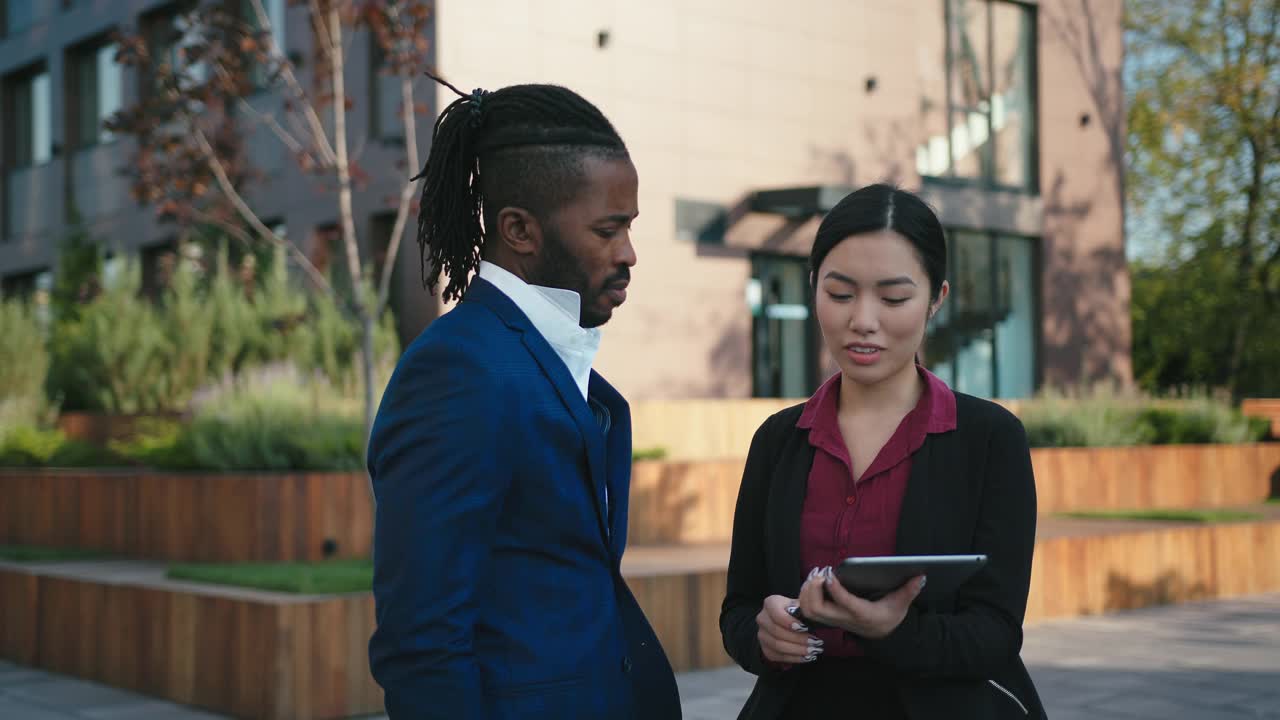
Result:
{"points": [[558, 268]]}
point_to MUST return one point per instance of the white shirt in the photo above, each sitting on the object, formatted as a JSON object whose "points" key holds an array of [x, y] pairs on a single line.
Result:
{"points": [[555, 314]]}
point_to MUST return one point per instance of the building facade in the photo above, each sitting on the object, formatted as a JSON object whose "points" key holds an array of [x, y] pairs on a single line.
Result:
{"points": [[747, 119], [60, 82]]}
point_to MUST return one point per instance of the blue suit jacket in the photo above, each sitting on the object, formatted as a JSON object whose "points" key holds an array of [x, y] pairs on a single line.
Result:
{"points": [[496, 562]]}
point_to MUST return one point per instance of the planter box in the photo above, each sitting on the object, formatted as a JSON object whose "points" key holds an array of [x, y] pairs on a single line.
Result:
{"points": [[1085, 569], [675, 502], [1154, 477], [1268, 408], [270, 655], [242, 653], [231, 517]]}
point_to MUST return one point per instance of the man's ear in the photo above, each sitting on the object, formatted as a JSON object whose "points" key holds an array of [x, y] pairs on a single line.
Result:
{"points": [[519, 231]]}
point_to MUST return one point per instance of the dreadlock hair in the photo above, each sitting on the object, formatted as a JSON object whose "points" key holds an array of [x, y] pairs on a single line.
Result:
{"points": [[520, 146]]}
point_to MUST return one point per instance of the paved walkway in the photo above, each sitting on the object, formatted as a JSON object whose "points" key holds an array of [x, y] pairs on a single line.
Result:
{"points": [[1205, 661]]}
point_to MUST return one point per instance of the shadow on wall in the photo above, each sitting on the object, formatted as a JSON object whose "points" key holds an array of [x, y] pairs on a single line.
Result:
{"points": [[1083, 329]]}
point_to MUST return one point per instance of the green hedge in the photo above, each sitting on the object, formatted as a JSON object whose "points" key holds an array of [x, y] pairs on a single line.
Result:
{"points": [[1107, 421]]}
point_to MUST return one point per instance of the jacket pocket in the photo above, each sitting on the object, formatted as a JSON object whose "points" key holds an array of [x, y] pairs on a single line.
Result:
{"points": [[1008, 694]]}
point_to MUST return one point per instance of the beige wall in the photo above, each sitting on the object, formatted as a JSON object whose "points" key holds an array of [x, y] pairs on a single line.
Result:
{"points": [[716, 98], [1086, 281]]}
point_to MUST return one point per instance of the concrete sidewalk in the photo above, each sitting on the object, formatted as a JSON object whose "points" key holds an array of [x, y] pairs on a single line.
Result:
{"points": [[1205, 661]]}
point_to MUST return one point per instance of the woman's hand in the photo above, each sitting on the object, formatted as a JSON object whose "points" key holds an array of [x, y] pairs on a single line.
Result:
{"points": [[823, 599], [784, 639]]}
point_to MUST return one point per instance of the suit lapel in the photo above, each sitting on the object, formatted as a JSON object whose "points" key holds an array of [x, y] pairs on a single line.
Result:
{"points": [[554, 369], [617, 460]]}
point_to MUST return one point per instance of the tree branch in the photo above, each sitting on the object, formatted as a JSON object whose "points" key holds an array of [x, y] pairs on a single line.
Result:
{"points": [[266, 118], [406, 193], [319, 136], [345, 211], [247, 213]]}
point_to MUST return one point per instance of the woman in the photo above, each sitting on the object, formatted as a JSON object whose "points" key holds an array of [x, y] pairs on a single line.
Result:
{"points": [[883, 460]]}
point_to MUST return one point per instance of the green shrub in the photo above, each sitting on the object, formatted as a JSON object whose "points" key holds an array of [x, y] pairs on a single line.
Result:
{"points": [[1094, 420], [272, 424], [122, 353], [1099, 419], [24, 365], [31, 447], [113, 357]]}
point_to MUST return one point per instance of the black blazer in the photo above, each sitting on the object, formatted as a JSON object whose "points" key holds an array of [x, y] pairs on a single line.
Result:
{"points": [[971, 490]]}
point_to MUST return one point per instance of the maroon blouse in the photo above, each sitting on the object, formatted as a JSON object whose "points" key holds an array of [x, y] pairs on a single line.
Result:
{"points": [[846, 518]]}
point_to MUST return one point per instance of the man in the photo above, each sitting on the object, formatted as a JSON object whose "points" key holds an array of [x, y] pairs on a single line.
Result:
{"points": [[500, 460]]}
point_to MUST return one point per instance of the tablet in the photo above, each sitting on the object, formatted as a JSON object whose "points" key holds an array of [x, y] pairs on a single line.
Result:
{"points": [[874, 577]]}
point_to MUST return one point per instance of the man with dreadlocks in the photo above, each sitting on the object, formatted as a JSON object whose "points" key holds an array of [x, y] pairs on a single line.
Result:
{"points": [[500, 460]]}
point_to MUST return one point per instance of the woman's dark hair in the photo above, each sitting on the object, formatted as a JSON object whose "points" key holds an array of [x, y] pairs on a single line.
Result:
{"points": [[885, 207], [521, 146]]}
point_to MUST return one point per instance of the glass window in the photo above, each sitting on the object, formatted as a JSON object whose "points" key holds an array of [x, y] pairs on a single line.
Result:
{"points": [[384, 105], [274, 11], [1012, 122], [984, 340], [971, 318], [30, 134], [170, 32], [1015, 317], [784, 329], [99, 92], [987, 102], [967, 53]]}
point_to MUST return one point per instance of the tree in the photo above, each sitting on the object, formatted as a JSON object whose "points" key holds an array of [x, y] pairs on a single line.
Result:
{"points": [[191, 119], [1203, 82]]}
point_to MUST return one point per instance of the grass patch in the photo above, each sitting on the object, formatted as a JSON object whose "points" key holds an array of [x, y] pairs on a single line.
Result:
{"points": [[1273, 501], [1196, 516], [35, 554], [311, 578]]}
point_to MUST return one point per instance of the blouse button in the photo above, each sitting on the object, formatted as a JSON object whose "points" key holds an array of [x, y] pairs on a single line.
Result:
{"points": [[848, 500]]}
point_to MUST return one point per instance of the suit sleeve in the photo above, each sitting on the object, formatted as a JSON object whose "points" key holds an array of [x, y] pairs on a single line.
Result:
{"points": [[747, 583], [439, 478], [985, 632]]}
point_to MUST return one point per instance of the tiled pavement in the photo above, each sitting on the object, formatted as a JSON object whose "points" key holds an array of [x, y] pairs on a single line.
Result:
{"points": [[1204, 661]]}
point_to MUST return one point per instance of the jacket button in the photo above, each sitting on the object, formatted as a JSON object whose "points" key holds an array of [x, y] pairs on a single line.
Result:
{"points": [[850, 500], [626, 664]]}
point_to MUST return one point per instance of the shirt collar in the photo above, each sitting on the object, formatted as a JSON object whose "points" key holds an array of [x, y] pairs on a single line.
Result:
{"points": [[936, 407], [555, 314]]}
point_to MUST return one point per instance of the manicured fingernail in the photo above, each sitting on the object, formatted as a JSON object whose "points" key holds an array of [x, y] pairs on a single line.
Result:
{"points": [[810, 658], [923, 580], [816, 643], [793, 610], [799, 627], [830, 575]]}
